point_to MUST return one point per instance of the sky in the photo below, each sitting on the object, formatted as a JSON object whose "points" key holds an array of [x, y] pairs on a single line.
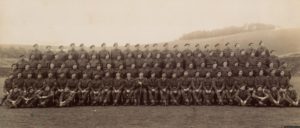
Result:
{"points": [[132, 21]]}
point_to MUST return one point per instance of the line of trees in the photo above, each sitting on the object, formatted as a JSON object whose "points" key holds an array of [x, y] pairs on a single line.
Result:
{"points": [[226, 31]]}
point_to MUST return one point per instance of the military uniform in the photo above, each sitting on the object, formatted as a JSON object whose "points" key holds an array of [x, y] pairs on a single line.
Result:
{"points": [[82, 62], [117, 89], [163, 90], [140, 91], [197, 90], [84, 90], [69, 63], [127, 94], [174, 88], [208, 94], [96, 87], [153, 90], [106, 91], [219, 86], [243, 97], [185, 84]]}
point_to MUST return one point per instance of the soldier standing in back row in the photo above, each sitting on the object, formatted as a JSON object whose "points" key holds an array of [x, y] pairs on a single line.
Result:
{"points": [[36, 52], [116, 52]]}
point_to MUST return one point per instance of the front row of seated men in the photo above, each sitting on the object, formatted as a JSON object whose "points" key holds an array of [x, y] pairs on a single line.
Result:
{"points": [[224, 89]]}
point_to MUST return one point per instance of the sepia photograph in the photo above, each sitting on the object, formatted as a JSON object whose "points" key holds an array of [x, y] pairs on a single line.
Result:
{"points": [[149, 63]]}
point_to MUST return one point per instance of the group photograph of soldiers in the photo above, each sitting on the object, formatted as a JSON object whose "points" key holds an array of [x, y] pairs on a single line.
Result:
{"points": [[148, 75]]}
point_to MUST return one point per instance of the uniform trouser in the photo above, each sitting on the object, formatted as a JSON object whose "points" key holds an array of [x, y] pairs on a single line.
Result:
{"points": [[83, 97], [106, 95], [174, 96], [208, 97], [116, 94], [29, 103], [57, 94], [220, 97], [229, 97], [66, 99], [164, 96], [274, 102], [186, 95], [197, 96], [259, 102], [248, 102], [45, 102], [13, 103], [139, 94], [95, 97], [153, 95], [127, 96], [290, 102]]}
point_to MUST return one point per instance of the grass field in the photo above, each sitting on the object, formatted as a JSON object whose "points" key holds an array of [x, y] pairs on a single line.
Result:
{"points": [[151, 117]]}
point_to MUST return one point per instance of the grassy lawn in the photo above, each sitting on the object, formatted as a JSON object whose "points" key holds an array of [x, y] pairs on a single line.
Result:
{"points": [[151, 117]]}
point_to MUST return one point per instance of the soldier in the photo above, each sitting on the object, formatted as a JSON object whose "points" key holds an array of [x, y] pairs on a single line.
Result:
{"points": [[210, 59], [116, 52], [274, 59], [93, 52], [57, 63], [49, 53], [155, 51], [14, 98], [178, 70], [140, 90], [39, 83], [271, 68], [287, 72], [84, 89], [242, 58], [206, 50], [117, 62], [106, 61], [94, 61], [250, 82], [187, 52], [258, 68], [110, 70], [139, 61], [129, 85], [33, 62], [26, 71], [199, 59], [137, 52], [127, 51], [21, 63], [272, 80], [232, 59], [208, 92], [103, 52], [29, 82], [274, 97], [247, 69], [260, 97], [98, 71], [45, 97], [291, 97], [203, 70], [283, 81], [186, 84], [73, 52], [240, 80], [117, 89], [225, 69], [158, 60], [252, 59], [175, 93], [50, 81], [166, 50], [261, 48], [82, 61], [70, 61], [29, 98], [36, 52], [14, 70], [157, 70], [62, 55], [133, 71], [190, 70], [96, 86], [76, 71], [163, 89], [129, 60], [261, 80], [7, 88], [214, 70], [82, 51], [197, 51], [243, 96], [44, 62], [62, 70], [237, 49], [18, 82], [197, 89], [230, 88], [263, 58], [219, 86], [106, 91], [217, 50], [145, 70], [168, 70], [227, 50], [188, 59], [146, 53], [61, 85], [148, 59], [250, 49], [153, 88], [88, 70], [68, 97]]}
